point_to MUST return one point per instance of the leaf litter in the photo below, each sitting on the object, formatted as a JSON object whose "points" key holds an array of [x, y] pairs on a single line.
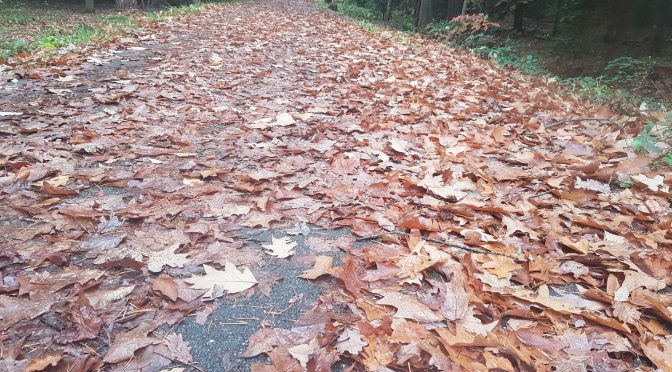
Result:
{"points": [[122, 193]]}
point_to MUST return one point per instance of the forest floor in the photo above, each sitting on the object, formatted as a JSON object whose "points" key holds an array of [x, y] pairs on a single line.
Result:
{"points": [[268, 181]]}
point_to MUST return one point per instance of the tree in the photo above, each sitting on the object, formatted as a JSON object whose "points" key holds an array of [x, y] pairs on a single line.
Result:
{"points": [[425, 14]]}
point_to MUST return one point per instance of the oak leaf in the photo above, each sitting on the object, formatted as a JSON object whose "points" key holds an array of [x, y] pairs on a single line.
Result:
{"points": [[217, 282]]}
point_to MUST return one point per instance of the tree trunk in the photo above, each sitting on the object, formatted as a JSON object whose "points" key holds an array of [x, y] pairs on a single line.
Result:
{"points": [[126, 4], [388, 11], [425, 14], [89, 5], [518, 14], [465, 3]]}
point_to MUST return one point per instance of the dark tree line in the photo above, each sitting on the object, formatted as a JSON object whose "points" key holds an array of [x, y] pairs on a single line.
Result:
{"points": [[614, 21]]}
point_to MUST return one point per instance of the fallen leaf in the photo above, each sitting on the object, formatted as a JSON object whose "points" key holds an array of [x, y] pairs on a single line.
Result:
{"points": [[407, 307], [166, 286], [350, 341], [166, 257], [42, 362], [654, 184], [322, 266], [280, 247], [179, 349], [303, 352], [218, 282], [102, 298], [125, 345]]}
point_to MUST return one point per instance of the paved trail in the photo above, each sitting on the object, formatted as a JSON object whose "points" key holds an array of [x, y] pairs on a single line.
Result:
{"points": [[126, 173]]}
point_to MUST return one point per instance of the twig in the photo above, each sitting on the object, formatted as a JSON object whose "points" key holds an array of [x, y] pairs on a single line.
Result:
{"points": [[541, 194], [575, 120], [442, 242]]}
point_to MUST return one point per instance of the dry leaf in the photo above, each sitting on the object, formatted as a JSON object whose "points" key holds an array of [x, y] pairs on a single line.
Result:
{"points": [[350, 341], [218, 282], [321, 267], [166, 257], [166, 286], [407, 307], [280, 247]]}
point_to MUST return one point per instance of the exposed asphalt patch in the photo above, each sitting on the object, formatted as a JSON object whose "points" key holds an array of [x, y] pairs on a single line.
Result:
{"points": [[218, 344]]}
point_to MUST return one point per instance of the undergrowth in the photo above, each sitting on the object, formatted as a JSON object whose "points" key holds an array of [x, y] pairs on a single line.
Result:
{"points": [[27, 29]]}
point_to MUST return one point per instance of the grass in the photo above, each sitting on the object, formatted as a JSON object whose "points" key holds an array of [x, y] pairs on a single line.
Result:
{"points": [[172, 12], [46, 29], [371, 20]]}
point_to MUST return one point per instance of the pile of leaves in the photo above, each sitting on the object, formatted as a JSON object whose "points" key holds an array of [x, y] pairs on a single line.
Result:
{"points": [[498, 234]]}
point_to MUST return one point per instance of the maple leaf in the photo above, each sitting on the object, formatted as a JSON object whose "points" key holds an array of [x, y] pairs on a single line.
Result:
{"points": [[281, 247], [217, 282]]}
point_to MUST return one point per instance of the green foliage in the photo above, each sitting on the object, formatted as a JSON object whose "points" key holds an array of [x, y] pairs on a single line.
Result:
{"points": [[506, 55], [370, 19], [48, 28], [9, 48], [627, 70], [79, 35], [656, 139], [354, 10], [368, 25]]}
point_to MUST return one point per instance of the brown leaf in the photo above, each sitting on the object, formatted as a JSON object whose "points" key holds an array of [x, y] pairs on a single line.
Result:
{"points": [[125, 345], [15, 309], [166, 286], [48, 189], [179, 349], [44, 361], [626, 313], [407, 307], [322, 267]]}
